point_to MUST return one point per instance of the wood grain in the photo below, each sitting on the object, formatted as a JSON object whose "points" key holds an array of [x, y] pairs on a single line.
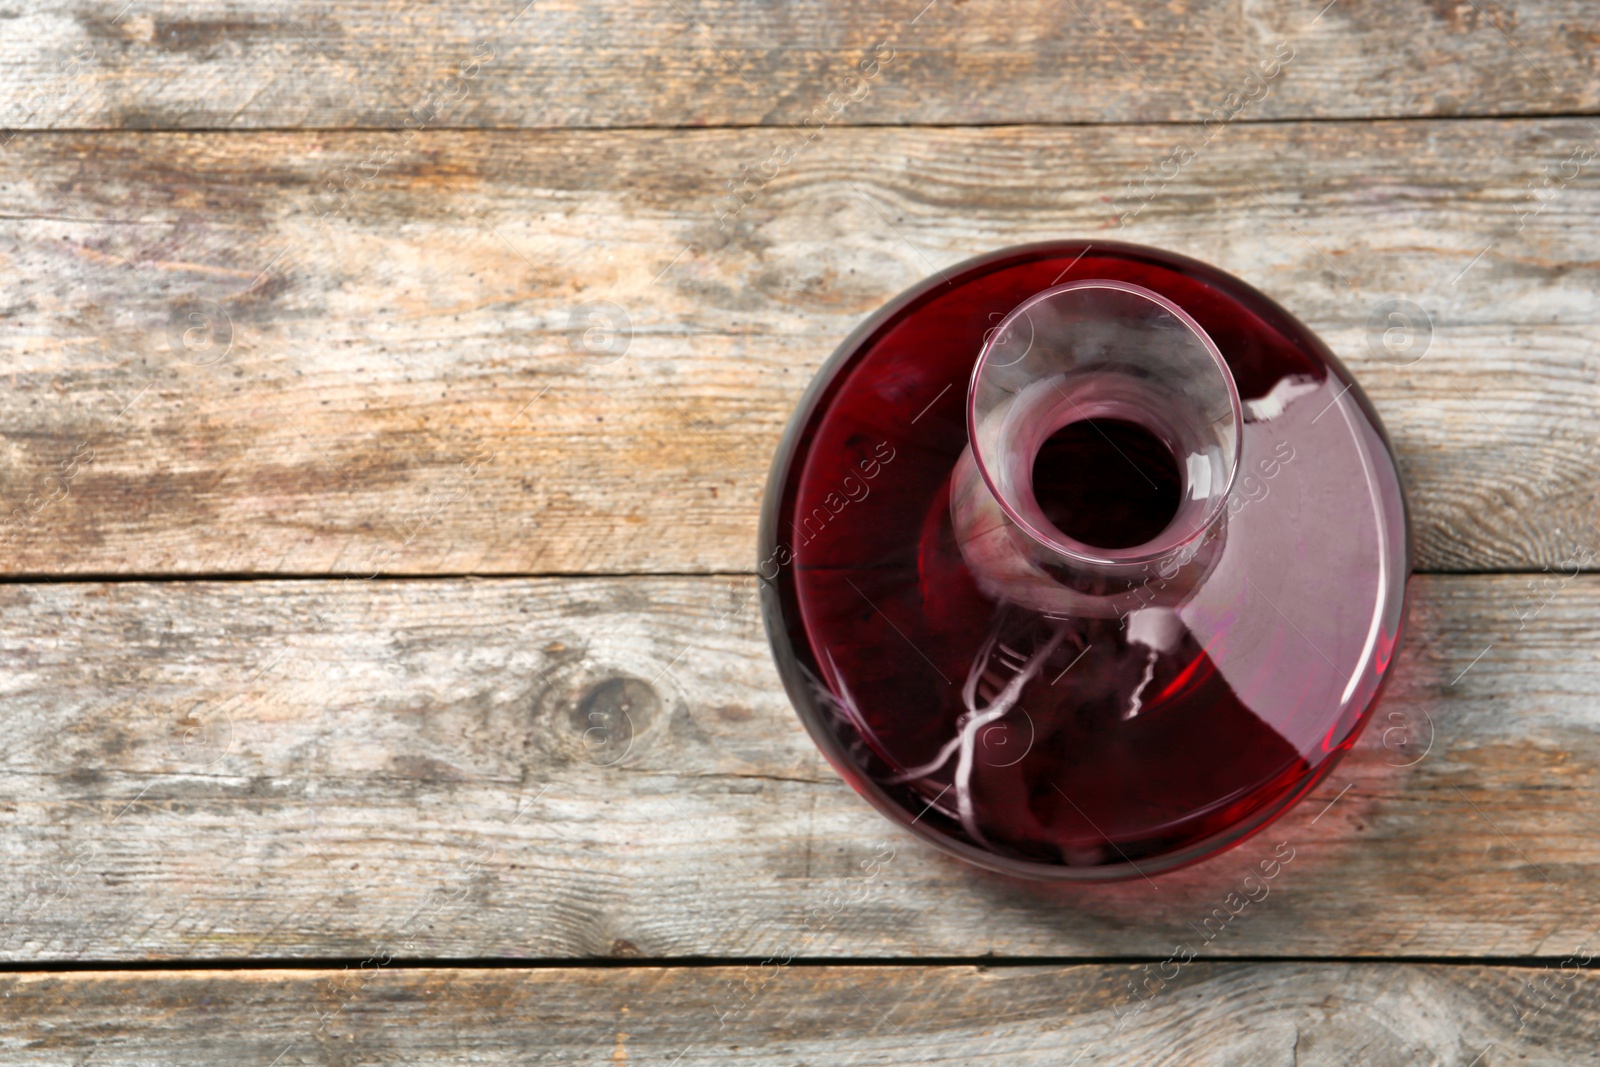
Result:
{"points": [[439, 769], [102, 64], [1208, 1013], [410, 385]]}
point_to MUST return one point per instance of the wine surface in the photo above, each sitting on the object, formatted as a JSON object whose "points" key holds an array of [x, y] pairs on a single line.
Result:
{"points": [[1109, 483]]}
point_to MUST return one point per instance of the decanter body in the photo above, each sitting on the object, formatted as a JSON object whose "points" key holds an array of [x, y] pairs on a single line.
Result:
{"points": [[1123, 597]]}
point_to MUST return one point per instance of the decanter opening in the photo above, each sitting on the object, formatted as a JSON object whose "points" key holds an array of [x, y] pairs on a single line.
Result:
{"points": [[1103, 350], [1107, 483], [1050, 511]]}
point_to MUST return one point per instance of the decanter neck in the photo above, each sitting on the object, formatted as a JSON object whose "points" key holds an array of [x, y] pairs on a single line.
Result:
{"points": [[1099, 354]]}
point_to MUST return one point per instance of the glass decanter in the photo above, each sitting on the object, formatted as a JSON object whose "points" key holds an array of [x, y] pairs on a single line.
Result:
{"points": [[1119, 608]]}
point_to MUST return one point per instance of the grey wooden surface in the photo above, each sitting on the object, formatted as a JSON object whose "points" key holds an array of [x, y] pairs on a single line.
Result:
{"points": [[218, 770], [1218, 1015], [260, 64], [328, 529], [359, 360]]}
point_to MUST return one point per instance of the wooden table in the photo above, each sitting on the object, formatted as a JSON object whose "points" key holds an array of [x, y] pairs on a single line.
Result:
{"points": [[388, 395]]}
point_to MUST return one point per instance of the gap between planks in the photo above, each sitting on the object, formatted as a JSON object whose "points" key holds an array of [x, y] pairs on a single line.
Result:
{"points": [[513, 963], [1274, 120]]}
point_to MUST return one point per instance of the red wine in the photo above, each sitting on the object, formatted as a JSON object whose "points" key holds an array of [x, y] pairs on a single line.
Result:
{"points": [[1091, 747], [1108, 483]]}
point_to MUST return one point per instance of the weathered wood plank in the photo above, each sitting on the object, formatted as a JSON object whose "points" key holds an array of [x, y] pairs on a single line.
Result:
{"points": [[440, 769], [404, 385], [257, 63], [1205, 1013]]}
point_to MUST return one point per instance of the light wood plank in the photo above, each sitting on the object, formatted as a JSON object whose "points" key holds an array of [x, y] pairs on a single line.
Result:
{"points": [[257, 63], [365, 361], [1207, 1013], [276, 769]]}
